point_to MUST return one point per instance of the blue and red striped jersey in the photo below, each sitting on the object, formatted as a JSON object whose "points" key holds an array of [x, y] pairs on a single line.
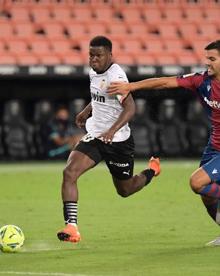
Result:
{"points": [[208, 90]]}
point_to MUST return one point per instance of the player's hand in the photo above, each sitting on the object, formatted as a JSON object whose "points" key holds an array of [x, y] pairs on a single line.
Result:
{"points": [[122, 88], [107, 136]]}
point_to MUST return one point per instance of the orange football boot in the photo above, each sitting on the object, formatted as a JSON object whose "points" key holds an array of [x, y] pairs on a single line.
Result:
{"points": [[70, 234], [154, 164]]}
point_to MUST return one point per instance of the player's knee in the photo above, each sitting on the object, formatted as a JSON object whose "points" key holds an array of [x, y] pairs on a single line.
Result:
{"points": [[194, 184]]}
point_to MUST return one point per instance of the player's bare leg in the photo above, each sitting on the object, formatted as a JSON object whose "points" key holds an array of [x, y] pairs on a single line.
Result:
{"points": [[132, 185], [77, 164]]}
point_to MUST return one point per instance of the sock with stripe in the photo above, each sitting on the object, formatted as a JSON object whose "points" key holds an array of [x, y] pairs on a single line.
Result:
{"points": [[211, 190], [70, 210]]}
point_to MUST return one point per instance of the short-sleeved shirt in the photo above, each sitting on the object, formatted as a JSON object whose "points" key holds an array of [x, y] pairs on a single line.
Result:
{"points": [[105, 108], [208, 90]]}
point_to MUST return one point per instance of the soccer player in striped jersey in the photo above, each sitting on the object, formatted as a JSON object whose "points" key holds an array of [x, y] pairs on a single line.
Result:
{"points": [[108, 138], [205, 181]]}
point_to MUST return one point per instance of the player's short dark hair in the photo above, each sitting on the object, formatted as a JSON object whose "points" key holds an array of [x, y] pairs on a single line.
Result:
{"points": [[98, 41], [213, 45]]}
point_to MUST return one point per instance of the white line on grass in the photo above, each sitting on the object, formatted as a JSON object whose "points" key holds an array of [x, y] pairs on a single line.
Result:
{"points": [[39, 273]]}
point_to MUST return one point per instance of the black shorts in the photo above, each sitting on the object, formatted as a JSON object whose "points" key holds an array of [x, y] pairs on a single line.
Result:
{"points": [[118, 156]]}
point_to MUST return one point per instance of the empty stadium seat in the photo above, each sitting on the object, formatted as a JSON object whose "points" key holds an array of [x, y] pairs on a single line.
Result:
{"points": [[103, 13], [40, 14], [6, 30], [194, 14], [75, 29], [62, 14], [145, 59], [76, 58], [166, 59], [17, 45], [19, 14], [24, 30], [53, 30], [187, 58], [130, 14], [168, 31], [173, 14], [7, 59], [27, 59], [49, 59], [212, 14], [95, 28], [40, 46], [151, 15], [124, 58]]}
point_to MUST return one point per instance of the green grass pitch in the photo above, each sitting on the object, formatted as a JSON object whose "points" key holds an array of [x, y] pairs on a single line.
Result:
{"points": [[161, 230]]}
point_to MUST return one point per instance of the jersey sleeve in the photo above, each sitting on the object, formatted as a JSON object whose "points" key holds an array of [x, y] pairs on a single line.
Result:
{"points": [[191, 81]]}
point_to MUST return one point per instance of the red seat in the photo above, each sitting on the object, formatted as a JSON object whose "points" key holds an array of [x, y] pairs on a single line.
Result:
{"points": [[137, 29], [49, 59], [173, 45], [82, 12], [27, 59], [166, 59], [24, 30], [62, 14], [124, 59], [75, 58], [17, 46], [194, 14], [103, 13], [208, 30], [19, 14], [152, 15], [7, 59], [188, 30], [153, 46], [114, 28], [6, 30], [53, 30], [40, 14], [39, 46], [61, 45], [173, 14], [132, 46], [95, 28], [168, 30], [212, 14], [75, 29], [187, 58], [130, 14], [145, 59]]}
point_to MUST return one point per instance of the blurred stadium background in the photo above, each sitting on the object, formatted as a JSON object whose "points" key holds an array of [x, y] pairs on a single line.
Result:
{"points": [[44, 62]]}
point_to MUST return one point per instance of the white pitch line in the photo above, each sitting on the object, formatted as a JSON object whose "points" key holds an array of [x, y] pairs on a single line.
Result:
{"points": [[39, 273]]}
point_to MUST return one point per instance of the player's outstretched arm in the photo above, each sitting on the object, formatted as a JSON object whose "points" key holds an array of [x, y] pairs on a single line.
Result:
{"points": [[153, 83]]}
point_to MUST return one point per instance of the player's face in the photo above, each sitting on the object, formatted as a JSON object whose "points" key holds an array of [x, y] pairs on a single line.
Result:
{"points": [[213, 63], [100, 58]]}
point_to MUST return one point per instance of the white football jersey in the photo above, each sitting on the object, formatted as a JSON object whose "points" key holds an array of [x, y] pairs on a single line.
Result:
{"points": [[105, 108]]}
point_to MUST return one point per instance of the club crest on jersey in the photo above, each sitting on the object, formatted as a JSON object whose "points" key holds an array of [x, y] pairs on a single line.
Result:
{"points": [[102, 84], [98, 98]]}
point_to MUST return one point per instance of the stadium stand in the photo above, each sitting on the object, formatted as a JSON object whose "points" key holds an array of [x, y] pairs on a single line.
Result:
{"points": [[171, 129], [121, 20]]}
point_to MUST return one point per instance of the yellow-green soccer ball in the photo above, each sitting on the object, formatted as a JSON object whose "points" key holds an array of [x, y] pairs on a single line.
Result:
{"points": [[11, 238]]}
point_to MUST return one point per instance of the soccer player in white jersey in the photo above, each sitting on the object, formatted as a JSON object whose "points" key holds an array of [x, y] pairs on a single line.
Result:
{"points": [[108, 138]]}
